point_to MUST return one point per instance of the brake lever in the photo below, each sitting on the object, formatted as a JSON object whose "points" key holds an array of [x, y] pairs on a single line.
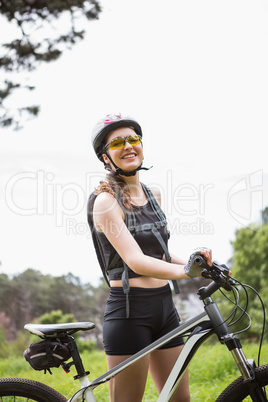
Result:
{"points": [[220, 274]]}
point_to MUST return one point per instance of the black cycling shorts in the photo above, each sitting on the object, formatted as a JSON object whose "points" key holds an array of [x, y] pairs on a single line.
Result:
{"points": [[152, 315]]}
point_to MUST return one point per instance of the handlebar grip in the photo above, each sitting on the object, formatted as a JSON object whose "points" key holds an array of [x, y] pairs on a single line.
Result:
{"points": [[200, 261], [195, 265]]}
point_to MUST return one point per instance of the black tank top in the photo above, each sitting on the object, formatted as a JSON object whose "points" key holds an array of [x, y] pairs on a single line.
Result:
{"points": [[145, 239]]}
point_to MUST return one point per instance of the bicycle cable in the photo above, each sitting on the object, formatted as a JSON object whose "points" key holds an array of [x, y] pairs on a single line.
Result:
{"points": [[235, 302], [237, 306], [244, 312], [264, 318], [83, 396]]}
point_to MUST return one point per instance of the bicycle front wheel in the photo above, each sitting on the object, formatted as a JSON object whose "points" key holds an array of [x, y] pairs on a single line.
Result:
{"points": [[238, 391], [22, 390]]}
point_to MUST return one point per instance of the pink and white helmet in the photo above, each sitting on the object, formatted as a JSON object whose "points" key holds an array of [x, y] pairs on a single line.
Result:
{"points": [[108, 124]]}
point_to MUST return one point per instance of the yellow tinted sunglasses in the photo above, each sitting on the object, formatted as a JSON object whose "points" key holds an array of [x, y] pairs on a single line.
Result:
{"points": [[120, 142]]}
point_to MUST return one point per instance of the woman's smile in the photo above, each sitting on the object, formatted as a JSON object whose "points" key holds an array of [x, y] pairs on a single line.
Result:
{"points": [[129, 156]]}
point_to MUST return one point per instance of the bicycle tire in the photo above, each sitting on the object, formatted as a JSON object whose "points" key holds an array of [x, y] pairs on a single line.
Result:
{"points": [[22, 389], [237, 391]]}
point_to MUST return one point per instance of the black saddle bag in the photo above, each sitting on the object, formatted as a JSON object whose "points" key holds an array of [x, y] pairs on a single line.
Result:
{"points": [[47, 354]]}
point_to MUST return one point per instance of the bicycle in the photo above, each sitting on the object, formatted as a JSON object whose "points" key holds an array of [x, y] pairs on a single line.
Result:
{"points": [[251, 383]]}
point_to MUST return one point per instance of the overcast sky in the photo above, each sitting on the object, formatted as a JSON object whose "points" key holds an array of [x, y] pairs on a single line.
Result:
{"points": [[194, 74]]}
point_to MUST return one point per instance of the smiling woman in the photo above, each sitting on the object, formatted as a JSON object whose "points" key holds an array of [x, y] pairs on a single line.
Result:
{"points": [[107, 137], [129, 230], [123, 150]]}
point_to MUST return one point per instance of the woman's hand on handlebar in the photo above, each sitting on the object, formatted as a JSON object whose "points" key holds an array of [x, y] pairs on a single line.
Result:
{"points": [[199, 259], [207, 253]]}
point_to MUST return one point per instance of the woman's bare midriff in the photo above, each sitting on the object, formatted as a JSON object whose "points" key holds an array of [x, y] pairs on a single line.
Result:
{"points": [[141, 282]]}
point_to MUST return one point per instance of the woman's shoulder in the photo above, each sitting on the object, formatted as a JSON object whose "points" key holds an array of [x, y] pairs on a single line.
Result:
{"points": [[106, 203], [156, 192], [104, 198], [106, 210]]}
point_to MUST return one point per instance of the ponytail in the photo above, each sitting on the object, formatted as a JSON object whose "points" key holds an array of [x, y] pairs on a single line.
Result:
{"points": [[116, 186]]}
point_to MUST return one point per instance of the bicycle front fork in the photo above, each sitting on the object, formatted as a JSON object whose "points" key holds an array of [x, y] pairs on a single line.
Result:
{"points": [[245, 366]]}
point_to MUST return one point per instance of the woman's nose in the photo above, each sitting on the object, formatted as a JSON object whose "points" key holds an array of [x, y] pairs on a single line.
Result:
{"points": [[127, 145]]}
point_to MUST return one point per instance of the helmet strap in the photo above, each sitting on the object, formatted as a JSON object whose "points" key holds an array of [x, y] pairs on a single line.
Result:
{"points": [[119, 171]]}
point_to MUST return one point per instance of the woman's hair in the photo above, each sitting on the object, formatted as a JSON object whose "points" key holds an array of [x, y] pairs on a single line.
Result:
{"points": [[116, 186]]}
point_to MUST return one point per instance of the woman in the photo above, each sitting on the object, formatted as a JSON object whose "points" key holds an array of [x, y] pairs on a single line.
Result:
{"points": [[130, 235]]}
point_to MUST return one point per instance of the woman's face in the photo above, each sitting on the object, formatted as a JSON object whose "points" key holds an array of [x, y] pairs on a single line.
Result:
{"points": [[127, 158]]}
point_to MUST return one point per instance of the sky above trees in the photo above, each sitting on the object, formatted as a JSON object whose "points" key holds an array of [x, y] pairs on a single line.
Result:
{"points": [[195, 76]]}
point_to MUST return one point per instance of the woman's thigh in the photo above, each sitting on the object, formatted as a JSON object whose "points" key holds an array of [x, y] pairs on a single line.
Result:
{"points": [[160, 366], [129, 385]]}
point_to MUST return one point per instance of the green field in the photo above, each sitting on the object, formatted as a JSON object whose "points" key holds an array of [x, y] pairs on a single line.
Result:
{"points": [[211, 370]]}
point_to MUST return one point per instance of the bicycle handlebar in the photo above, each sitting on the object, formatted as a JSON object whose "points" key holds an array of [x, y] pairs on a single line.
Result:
{"points": [[218, 273]]}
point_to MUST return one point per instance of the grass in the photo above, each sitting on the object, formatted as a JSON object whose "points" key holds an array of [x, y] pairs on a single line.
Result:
{"points": [[211, 370]]}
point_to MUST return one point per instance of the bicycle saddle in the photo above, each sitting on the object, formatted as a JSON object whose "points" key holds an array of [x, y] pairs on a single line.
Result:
{"points": [[57, 329]]}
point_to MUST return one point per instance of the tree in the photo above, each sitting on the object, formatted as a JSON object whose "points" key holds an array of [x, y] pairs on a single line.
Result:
{"points": [[30, 294], [264, 216], [250, 266], [251, 255], [40, 37], [55, 317]]}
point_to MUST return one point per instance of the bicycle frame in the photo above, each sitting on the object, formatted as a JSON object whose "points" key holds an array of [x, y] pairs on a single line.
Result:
{"points": [[197, 329]]}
